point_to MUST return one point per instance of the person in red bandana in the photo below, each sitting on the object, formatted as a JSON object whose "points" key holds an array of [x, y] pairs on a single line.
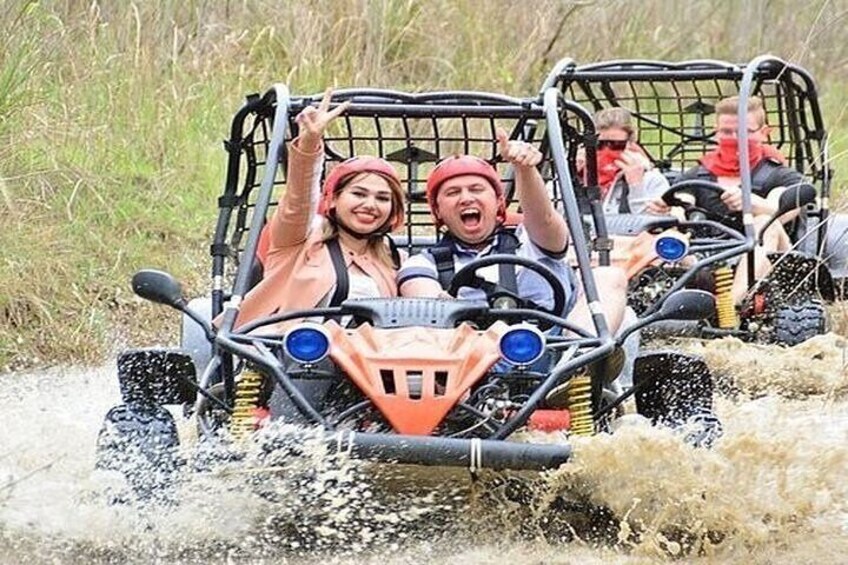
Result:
{"points": [[626, 176], [770, 176]]}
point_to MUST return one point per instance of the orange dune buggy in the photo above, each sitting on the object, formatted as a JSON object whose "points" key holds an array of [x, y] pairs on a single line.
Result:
{"points": [[420, 381]]}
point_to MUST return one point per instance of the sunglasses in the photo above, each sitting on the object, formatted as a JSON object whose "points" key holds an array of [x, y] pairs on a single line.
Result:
{"points": [[614, 144]]}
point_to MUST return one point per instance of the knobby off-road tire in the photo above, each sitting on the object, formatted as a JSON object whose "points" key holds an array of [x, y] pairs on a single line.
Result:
{"points": [[796, 323], [141, 444]]}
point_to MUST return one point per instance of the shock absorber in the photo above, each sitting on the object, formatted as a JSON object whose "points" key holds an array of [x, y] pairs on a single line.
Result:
{"points": [[248, 389], [579, 404], [725, 309]]}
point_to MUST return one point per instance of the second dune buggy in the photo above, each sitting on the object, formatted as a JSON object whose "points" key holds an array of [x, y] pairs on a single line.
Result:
{"points": [[672, 104]]}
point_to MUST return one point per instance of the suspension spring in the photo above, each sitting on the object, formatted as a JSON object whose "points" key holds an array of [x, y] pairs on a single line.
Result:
{"points": [[579, 403], [248, 388], [725, 309]]}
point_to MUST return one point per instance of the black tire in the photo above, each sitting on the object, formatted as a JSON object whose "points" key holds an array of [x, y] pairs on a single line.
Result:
{"points": [[677, 390], [141, 443], [796, 323]]}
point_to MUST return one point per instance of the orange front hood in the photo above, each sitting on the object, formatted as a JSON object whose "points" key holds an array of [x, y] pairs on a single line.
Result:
{"points": [[415, 376]]}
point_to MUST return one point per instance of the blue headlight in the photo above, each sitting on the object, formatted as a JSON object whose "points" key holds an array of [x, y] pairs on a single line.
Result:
{"points": [[307, 343], [522, 345], [671, 247]]}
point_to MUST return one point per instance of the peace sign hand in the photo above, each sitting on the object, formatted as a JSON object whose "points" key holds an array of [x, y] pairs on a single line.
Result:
{"points": [[313, 121]]}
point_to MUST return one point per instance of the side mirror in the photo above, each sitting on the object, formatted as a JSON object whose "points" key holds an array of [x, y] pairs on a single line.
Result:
{"points": [[683, 305], [162, 288], [159, 287]]}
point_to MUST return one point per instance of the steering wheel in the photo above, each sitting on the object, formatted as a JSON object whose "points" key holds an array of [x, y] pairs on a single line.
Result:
{"points": [[672, 198], [467, 276]]}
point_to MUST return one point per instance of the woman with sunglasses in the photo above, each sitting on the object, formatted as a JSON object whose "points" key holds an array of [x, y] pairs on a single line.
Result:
{"points": [[626, 176], [344, 255]]}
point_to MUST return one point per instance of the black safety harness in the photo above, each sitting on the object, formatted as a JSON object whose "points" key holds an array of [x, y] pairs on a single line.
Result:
{"points": [[340, 267], [506, 243], [624, 203]]}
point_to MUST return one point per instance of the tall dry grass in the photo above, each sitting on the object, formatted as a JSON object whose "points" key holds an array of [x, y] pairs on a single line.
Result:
{"points": [[111, 115]]}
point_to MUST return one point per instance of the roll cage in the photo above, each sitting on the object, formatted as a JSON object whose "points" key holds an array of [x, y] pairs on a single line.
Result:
{"points": [[413, 131]]}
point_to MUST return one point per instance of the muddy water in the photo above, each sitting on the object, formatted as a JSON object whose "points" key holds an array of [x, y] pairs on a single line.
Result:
{"points": [[773, 490]]}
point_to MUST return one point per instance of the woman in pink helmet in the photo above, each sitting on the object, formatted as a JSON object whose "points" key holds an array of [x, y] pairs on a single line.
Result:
{"points": [[311, 264]]}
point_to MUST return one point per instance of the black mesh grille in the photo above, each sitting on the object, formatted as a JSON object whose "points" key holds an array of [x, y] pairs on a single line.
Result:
{"points": [[673, 103]]}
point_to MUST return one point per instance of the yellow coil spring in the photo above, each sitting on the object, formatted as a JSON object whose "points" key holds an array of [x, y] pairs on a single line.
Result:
{"points": [[725, 309], [248, 388], [580, 405]]}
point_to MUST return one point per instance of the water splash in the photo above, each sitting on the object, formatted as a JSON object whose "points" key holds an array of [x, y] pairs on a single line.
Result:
{"points": [[771, 490]]}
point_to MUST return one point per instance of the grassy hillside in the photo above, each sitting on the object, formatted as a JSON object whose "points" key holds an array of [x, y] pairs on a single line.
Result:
{"points": [[112, 116]]}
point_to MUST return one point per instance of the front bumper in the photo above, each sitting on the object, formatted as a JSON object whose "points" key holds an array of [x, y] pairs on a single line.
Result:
{"points": [[473, 454]]}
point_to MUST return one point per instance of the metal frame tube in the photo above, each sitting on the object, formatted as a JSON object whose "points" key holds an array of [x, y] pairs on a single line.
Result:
{"points": [[473, 454]]}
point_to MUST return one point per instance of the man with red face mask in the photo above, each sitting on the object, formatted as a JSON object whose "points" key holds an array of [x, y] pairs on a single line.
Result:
{"points": [[769, 173], [769, 178]]}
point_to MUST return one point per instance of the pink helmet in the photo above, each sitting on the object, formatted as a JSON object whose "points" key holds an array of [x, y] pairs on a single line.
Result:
{"points": [[348, 169]]}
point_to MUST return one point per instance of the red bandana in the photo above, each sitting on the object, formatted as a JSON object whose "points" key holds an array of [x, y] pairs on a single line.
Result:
{"points": [[724, 161], [607, 169]]}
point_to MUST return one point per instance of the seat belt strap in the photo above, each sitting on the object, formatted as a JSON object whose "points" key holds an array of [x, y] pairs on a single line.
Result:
{"points": [[342, 276]]}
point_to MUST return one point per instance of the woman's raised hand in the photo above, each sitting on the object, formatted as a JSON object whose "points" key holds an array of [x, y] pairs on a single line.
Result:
{"points": [[313, 121]]}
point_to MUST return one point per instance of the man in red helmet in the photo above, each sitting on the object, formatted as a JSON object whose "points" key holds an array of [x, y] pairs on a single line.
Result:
{"points": [[466, 197]]}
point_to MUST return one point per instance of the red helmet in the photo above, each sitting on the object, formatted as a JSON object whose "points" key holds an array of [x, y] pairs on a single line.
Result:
{"points": [[354, 166], [459, 165]]}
